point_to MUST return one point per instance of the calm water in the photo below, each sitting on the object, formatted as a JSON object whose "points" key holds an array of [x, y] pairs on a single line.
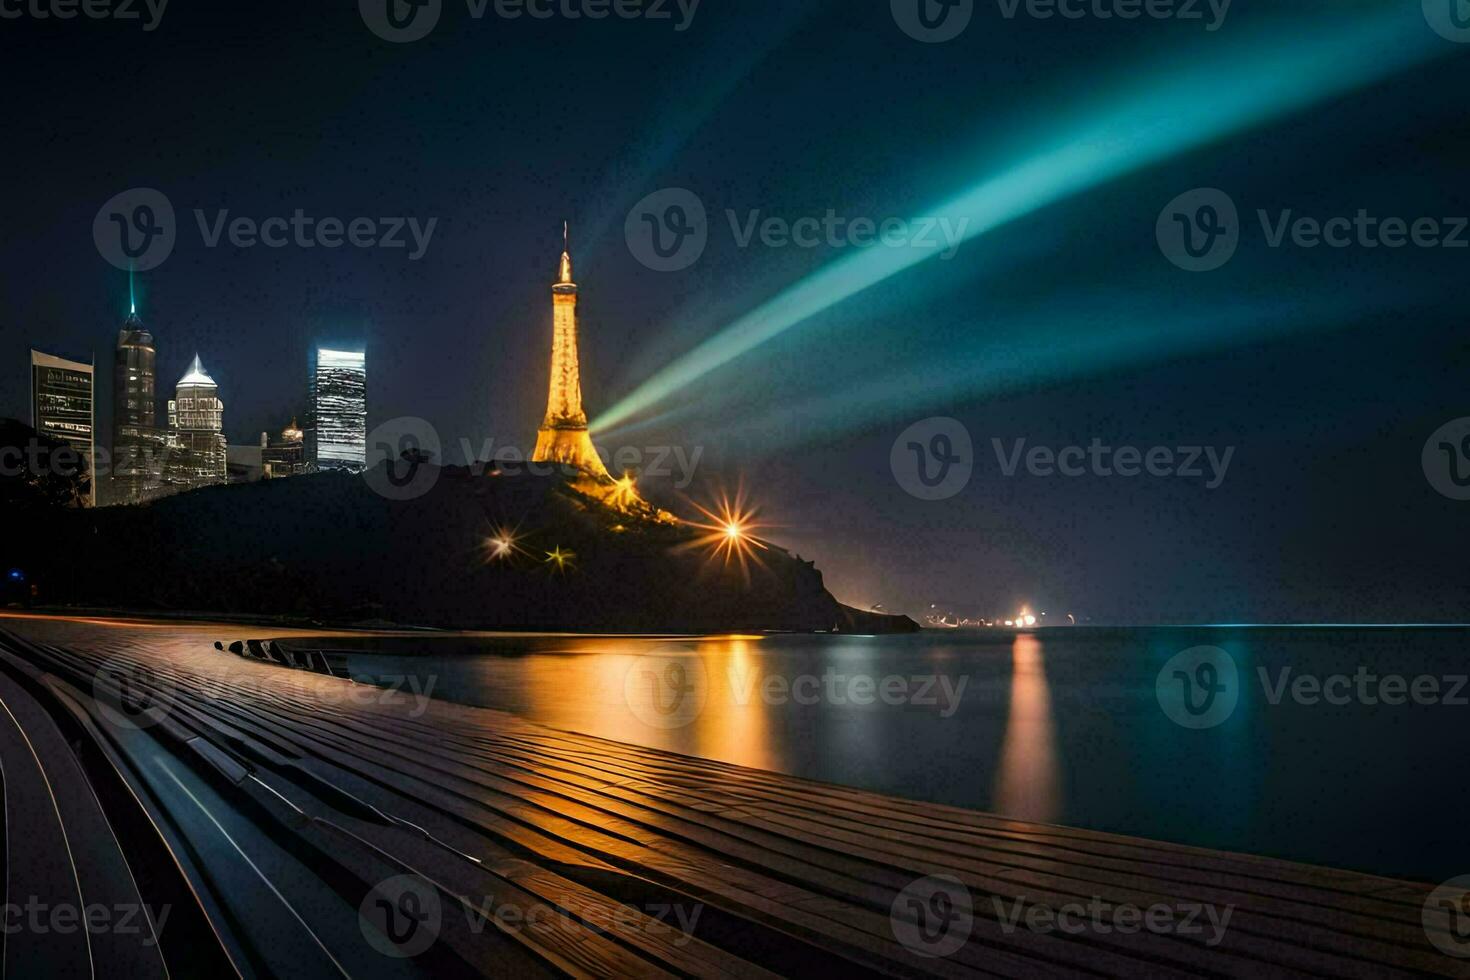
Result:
{"points": [[1064, 726]]}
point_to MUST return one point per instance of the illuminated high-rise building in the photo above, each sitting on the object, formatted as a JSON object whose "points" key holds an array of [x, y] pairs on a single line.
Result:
{"points": [[138, 443], [197, 453], [336, 432], [63, 407], [563, 437], [285, 455]]}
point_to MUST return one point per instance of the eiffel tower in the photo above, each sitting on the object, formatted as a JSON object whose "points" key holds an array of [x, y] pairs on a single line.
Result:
{"points": [[563, 437]]}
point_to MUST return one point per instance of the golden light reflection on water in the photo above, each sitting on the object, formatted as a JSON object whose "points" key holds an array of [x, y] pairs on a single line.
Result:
{"points": [[728, 729], [1027, 782], [694, 695]]}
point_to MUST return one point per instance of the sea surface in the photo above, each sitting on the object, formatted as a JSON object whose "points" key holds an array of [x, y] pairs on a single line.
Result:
{"points": [[1289, 745]]}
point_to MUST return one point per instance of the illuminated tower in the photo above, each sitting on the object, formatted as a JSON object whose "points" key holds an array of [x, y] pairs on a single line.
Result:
{"points": [[62, 408], [139, 444], [336, 432], [564, 437], [196, 440]]}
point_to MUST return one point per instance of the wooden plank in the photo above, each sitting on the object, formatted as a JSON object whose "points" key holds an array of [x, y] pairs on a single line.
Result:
{"points": [[1309, 960], [568, 822]]}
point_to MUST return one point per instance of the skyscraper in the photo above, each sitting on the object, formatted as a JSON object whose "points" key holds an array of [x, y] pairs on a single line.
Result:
{"points": [[563, 437], [336, 433], [196, 441], [285, 455], [63, 408], [138, 443]]}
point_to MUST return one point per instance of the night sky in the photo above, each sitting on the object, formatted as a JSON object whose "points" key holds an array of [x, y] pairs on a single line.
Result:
{"points": [[1326, 368]]}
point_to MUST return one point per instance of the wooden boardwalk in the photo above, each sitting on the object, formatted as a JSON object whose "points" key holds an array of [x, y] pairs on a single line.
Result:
{"points": [[320, 832]]}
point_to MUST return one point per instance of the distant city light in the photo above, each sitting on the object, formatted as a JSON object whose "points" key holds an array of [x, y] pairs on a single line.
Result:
{"points": [[560, 559]]}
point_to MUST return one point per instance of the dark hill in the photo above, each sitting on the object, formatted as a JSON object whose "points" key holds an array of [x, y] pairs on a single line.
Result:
{"points": [[328, 548]]}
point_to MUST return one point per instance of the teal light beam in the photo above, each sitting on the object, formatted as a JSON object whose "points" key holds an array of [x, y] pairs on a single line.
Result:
{"points": [[1174, 109], [1086, 337]]}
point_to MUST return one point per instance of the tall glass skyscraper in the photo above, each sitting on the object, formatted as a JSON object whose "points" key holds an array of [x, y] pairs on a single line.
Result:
{"points": [[138, 443], [63, 408], [196, 441], [336, 431]]}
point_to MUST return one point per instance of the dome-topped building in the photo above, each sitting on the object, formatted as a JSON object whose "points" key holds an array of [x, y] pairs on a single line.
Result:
{"points": [[196, 438]]}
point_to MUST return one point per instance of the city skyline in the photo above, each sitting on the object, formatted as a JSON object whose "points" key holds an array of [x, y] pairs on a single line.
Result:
{"points": [[1322, 366], [652, 487], [153, 446]]}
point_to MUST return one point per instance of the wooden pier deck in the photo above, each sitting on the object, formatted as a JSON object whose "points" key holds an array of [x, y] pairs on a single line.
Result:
{"points": [[295, 827]]}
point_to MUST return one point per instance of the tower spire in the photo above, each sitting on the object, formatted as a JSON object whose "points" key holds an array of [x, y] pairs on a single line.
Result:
{"points": [[564, 437], [566, 254]]}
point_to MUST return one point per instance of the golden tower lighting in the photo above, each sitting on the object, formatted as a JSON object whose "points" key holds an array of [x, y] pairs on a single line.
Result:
{"points": [[563, 437]]}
